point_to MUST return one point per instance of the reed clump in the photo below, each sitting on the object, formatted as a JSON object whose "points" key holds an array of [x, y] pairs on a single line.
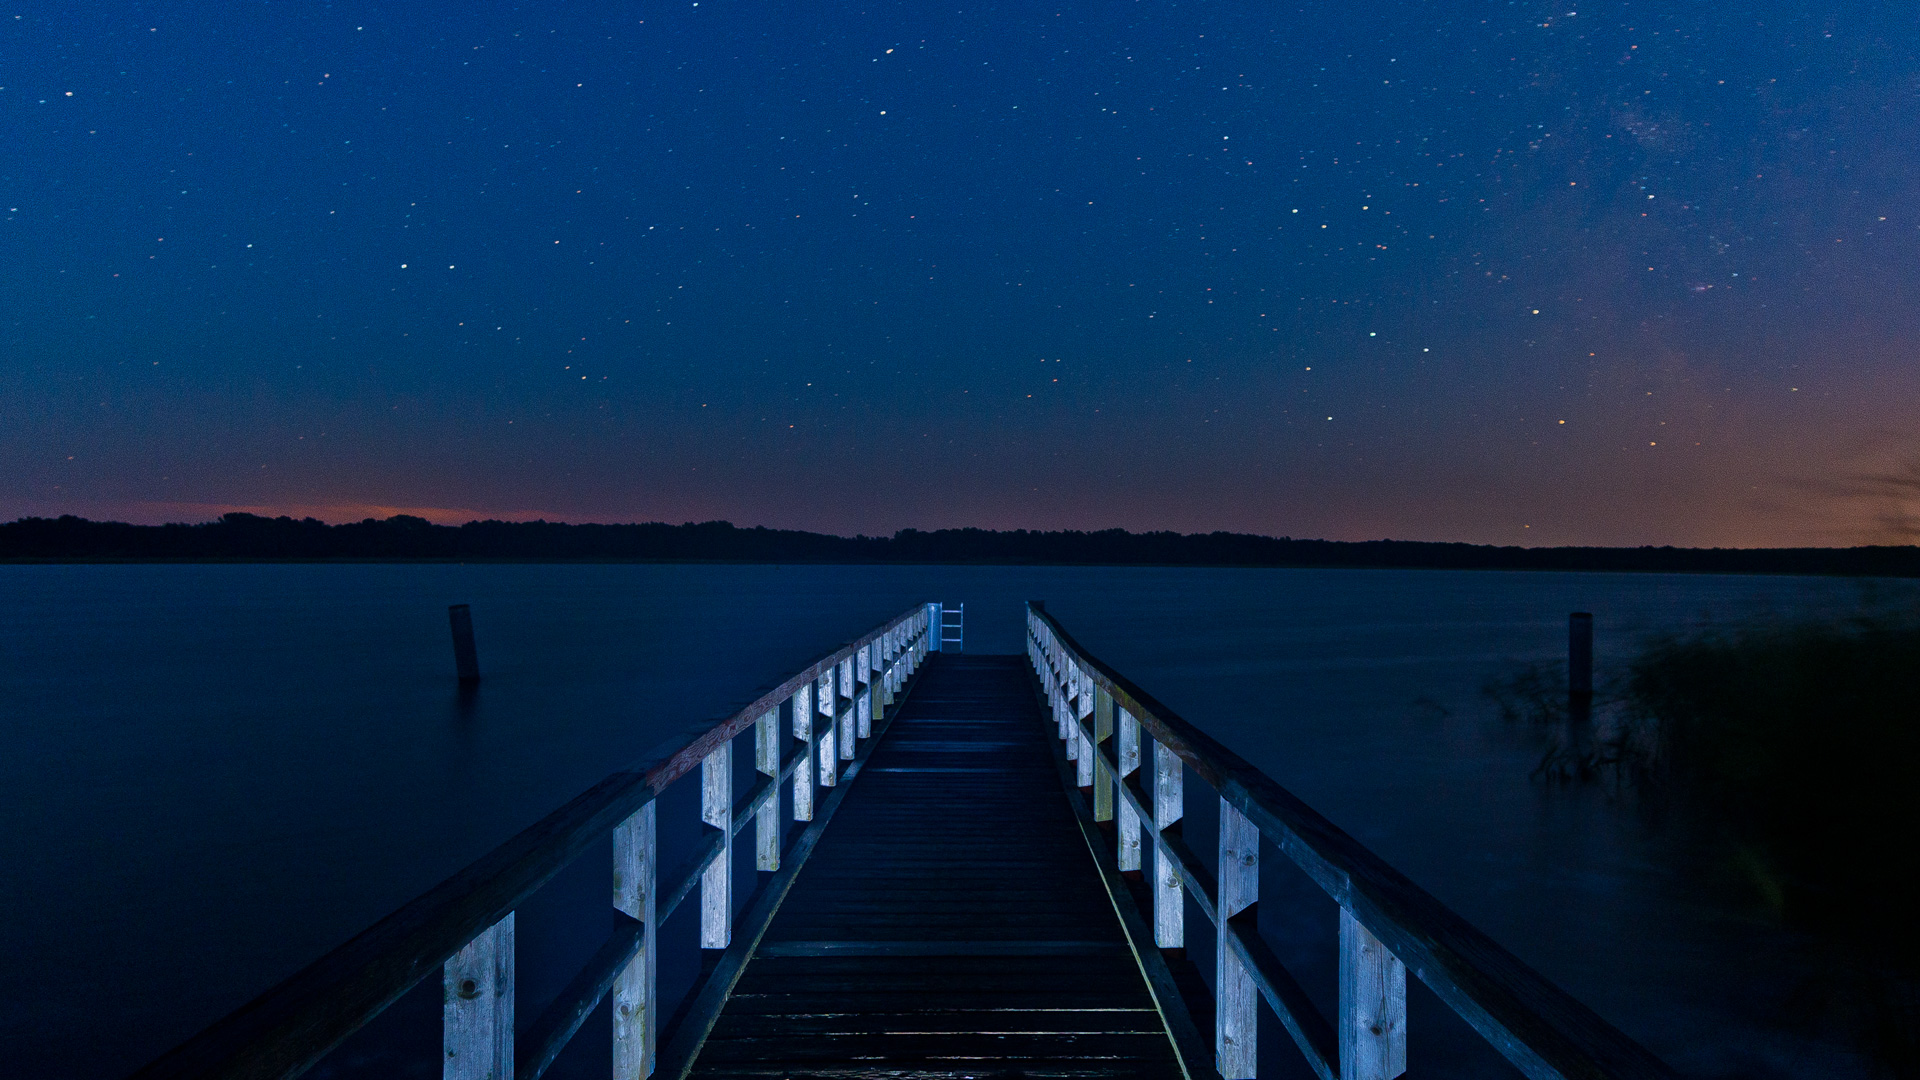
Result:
{"points": [[1797, 742]]}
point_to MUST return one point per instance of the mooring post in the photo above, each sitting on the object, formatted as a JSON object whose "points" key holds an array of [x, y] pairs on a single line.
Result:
{"points": [[465, 660], [1580, 654], [636, 1017]]}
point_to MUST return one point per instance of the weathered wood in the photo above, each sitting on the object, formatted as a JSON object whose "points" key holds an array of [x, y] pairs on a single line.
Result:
{"points": [[1102, 772], [636, 1012], [953, 888], [1373, 1006], [549, 1033], [1236, 1003], [1082, 714], [716, 882], [466, 662], [1169, 805], [712, 994], [766, 817], [1128, 829], [1537, 1026], [845, 709], [476, 1009], [803, 732]]}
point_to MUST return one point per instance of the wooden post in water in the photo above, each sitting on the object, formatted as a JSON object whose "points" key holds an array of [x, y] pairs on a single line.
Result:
{"points": [[636, 1016], [1236, 1017], [476, 1037], [465, 660], [1580, 679], [1580, 654], [716, 882], [1169, 892], [1373, 1005]]}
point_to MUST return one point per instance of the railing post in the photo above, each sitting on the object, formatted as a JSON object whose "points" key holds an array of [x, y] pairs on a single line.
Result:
{"points": [[1169, 898], [825, 739], [766, 820], [845, 711], [1082, 710], [1102, 776], [476, 1033], [863, 691], [1236, 1004], [803, 772], [1373, 1005], [716, 882], [1129, 828], [636, 1018]]}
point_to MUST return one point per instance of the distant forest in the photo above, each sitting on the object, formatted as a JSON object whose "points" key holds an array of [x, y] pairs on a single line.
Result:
{"points": [[250, 538]]}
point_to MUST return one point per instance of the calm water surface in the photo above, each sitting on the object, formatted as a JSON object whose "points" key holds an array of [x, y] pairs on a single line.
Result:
{"points": [[209, 775]]}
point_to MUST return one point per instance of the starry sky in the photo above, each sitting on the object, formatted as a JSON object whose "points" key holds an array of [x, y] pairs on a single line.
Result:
{"points": [[1505, 272]]}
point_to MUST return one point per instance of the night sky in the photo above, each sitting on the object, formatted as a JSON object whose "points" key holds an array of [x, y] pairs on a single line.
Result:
{"points": [[1500, 272]]}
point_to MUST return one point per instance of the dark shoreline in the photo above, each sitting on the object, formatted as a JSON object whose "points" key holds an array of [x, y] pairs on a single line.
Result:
{"points": [[246, 538]]}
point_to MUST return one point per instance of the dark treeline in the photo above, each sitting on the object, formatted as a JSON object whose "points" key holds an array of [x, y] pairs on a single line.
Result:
{"points": [[247, 537]]}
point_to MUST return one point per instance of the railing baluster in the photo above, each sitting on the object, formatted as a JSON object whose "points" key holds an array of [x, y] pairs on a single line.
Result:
{"points": [[716, 881], [1129, 827], [1373, 1005], [825, 738], [803, 772], [1102, 776], [766, 820], [1236, 1000], [636, 1017], [1082, 709], [476, 1034], [844, 707], [1169, 902], [863, 691]]}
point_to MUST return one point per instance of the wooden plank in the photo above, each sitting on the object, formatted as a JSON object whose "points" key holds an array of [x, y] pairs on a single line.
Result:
{"points": [[636, 1010], [476, 1010], [1236, 1003]]}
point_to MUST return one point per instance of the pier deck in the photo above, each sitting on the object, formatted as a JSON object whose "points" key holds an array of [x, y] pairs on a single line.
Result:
{"points": [[951, 922]]}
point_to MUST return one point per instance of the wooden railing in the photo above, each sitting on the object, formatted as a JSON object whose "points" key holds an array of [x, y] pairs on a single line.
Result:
{"points": [[1121, 740], [463, 927]]}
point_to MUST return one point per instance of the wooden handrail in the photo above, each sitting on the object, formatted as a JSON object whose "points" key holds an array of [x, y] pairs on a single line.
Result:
{"points": [[290, 1027], [1537, 1026]]}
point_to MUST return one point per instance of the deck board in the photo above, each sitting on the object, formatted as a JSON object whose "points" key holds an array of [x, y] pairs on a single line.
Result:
{"points": [[950, 922]]}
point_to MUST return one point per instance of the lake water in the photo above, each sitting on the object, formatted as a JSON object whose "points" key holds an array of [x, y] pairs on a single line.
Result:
{"points": [[209, 775]]}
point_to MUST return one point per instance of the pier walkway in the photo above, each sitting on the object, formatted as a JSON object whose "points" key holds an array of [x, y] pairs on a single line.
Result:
{"points": [[952, 920], [952, 866]]}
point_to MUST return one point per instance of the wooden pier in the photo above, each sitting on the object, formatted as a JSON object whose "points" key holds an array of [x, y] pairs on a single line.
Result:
{"points": [[961, 866]]}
